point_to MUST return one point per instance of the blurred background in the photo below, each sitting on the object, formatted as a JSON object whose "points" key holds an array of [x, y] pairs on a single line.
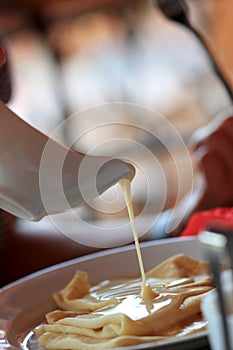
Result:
{"points": [[129, 74], [68, 56]]}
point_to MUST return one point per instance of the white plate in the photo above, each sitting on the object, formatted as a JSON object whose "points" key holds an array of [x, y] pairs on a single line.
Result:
{"points": [[24, 303]]}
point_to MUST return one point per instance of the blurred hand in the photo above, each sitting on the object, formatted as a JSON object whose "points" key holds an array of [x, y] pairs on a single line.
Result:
{"points": [[213, 152], [212, 148]]}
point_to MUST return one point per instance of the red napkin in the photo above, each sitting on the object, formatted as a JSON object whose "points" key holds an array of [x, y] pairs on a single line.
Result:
{"points": [[203, 219]]}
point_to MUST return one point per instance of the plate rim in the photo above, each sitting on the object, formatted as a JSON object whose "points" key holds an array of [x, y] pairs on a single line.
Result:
{"points": [[93, 255]]}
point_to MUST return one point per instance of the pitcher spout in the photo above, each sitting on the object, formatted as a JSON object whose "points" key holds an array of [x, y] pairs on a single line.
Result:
{"points": [[39, 177]]}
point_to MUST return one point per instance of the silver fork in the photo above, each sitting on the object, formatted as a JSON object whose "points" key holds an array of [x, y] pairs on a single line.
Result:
{"points": [[219, 241]]}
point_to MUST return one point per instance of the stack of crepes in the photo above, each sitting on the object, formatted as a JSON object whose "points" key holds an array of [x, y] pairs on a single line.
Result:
{"points": [[112, 313]]}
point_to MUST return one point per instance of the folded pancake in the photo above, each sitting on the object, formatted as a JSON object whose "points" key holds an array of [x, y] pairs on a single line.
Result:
{"points": [[113, 313]]}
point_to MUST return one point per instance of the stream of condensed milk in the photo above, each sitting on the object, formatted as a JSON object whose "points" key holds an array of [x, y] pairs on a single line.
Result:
{"points": [[146, 290], [136, 298]]}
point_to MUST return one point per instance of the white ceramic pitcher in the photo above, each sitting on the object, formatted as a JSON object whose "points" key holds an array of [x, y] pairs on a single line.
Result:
{"points": [[38, 176]]}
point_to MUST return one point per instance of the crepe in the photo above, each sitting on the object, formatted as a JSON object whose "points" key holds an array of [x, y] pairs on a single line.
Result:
{"points": [[112, 313]]}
